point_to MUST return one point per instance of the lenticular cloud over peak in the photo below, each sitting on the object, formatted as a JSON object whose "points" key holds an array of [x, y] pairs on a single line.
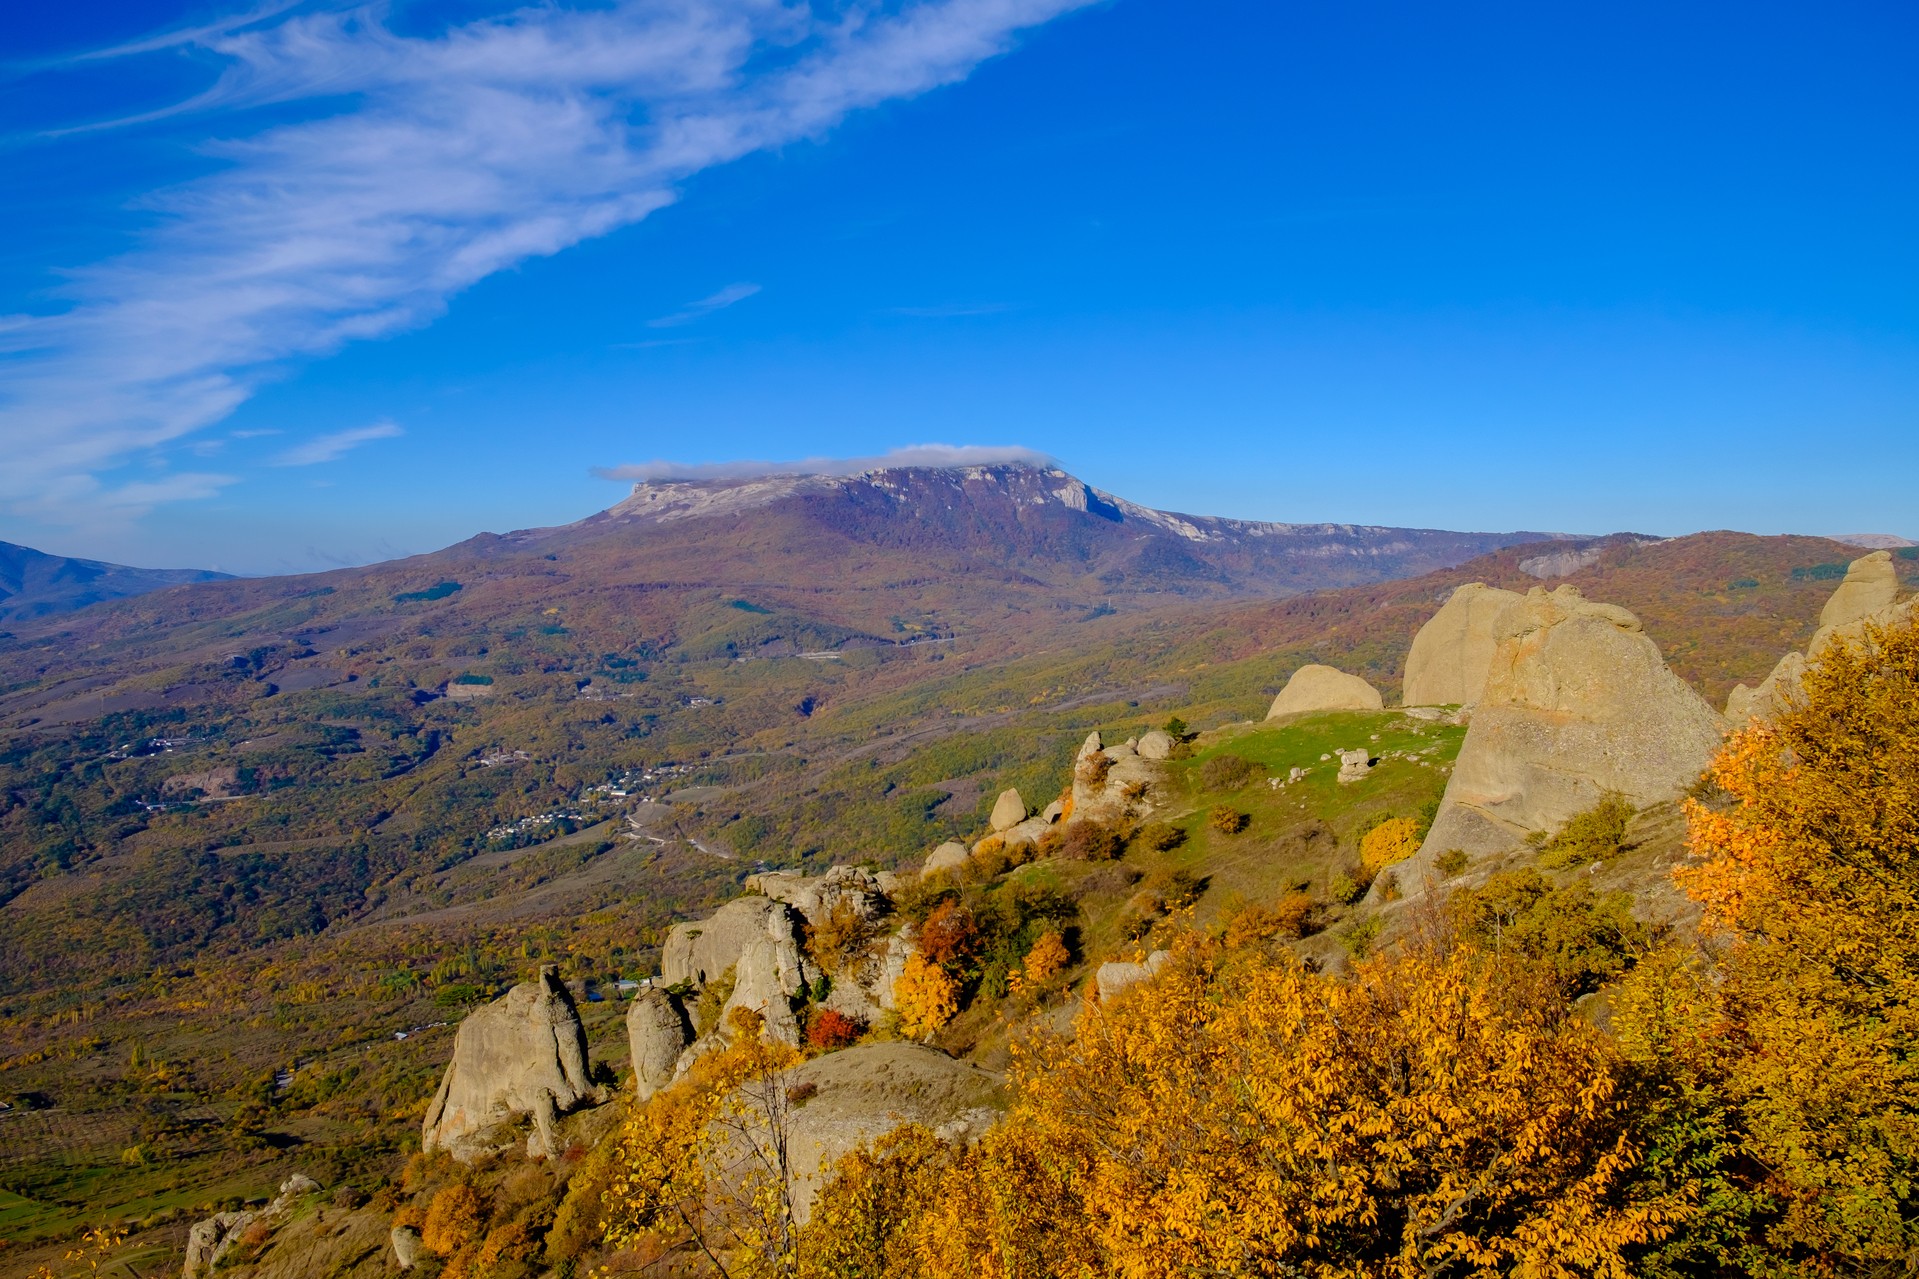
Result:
{"points": [[929, 455], [437, 160]]}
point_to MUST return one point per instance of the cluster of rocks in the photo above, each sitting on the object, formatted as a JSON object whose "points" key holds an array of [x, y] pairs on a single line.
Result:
{"points": [[1864, 599], [1110, 783], [757, 943], [209, 1241], [522, 1055]]}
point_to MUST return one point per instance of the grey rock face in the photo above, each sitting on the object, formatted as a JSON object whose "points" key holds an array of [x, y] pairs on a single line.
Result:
{"points": [[522, 1054], [1872, 583], [699, 952]]}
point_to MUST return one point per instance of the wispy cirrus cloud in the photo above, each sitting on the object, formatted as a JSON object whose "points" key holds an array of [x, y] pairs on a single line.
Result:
{"points": [[692, 311], [331, 447], [940, 455], [414, 166]]}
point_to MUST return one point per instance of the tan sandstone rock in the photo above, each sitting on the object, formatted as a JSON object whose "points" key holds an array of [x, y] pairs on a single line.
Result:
{"points": [[1117, 976], [657, 1032], [816, 899], [522, 1054], [1008, 812], [948, 856], [1453, 652], [700, 951], [1156, 745], [1871, 584], [1579, 702], [1324, 688], [862, 1093]]}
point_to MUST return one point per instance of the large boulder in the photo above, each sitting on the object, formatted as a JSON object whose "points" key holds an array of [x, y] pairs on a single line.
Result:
{"points": [[1871, 584], [657, 1032], [1324, 688], [1117, 976], [948, 856], [699, 952], [524, 1054], [1156, 745], [856, 1096], [1579, 703], [1008, 812], [1453, 652]]}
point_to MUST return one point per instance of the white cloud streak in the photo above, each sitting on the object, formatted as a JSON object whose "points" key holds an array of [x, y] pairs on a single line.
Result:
{"points": [[455, 155], [936, 455], [705, 306], [328, 448]]}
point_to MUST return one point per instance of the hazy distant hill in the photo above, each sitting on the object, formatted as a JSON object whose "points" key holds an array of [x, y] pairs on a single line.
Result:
{"points": [[35, 584]]}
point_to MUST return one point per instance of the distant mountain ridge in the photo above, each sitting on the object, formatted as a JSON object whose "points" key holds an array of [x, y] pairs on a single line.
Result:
{"points": [[36, 584], [1044, 511]]}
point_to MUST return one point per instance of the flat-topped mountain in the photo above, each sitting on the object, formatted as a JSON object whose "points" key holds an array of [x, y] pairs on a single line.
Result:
{"points": [[35, 584], [1051, 519]]}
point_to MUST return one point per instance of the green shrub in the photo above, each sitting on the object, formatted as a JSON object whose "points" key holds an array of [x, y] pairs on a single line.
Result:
{"points": [[1584, 939], [1591, 836], [1451, 862], [1157, 837], [1344, 889], [1228, 772], [437, 591], [1359, 938]]}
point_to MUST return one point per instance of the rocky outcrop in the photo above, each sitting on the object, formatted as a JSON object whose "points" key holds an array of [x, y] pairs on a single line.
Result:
{"points": [[1865, 599], [209, 1241], [1110, 783], [1008, 812], [1871, 584], [857, 1095], [405, 1241], [816, 899], [1117, 976], [1578, 703], [1324, 688], [657, 1032], [701, 951], [1355, 766], [1453, 652], [524, 1054]]}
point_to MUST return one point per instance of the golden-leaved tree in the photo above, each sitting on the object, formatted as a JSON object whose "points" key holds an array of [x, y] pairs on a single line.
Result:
{"points": [[1244, 1116], [1811, 871]]}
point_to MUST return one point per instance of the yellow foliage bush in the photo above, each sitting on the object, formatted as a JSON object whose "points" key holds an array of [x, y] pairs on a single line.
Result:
{"points": [[1047, 958], [1388, 844], [453, 1219], [1812, 872], [1256, 1118], [926, 996]]}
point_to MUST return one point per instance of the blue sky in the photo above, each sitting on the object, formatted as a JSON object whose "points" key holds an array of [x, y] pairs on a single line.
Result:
{"points": [[308, 284]]}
